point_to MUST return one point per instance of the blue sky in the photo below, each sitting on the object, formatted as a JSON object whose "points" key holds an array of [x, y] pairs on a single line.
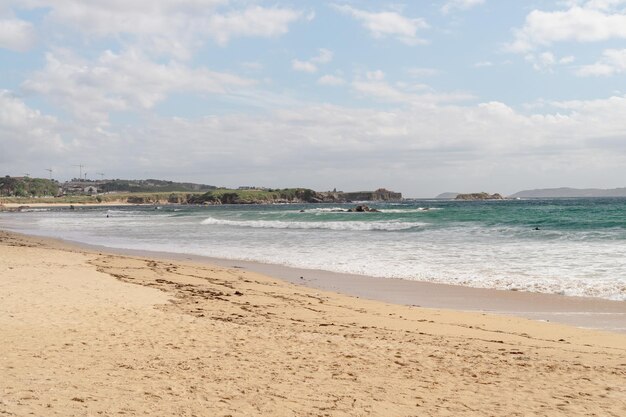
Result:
{"points": [[422, 97]]}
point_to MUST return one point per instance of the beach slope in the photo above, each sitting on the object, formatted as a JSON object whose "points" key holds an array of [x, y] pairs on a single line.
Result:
{"points": [[91, 333]]}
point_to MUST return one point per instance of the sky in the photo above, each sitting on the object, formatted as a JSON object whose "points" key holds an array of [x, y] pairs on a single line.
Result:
{"points": [[419, 97]]}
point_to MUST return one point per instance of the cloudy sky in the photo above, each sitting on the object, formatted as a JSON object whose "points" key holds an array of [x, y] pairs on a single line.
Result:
{"points": [[420, 97]]}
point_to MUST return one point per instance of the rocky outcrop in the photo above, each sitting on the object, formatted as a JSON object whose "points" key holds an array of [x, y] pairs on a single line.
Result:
{"points": [[479, 196], [381, 194], [288, 196], [363, 209]]}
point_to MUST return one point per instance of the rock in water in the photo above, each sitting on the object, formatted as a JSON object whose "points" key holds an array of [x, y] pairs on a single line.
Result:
{"points": [[363, 209], [479, 196]]}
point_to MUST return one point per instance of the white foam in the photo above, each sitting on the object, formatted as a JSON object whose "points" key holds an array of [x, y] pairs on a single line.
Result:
{"points": [[414, 210], [327, 210], [347, 225], [504, 257]]}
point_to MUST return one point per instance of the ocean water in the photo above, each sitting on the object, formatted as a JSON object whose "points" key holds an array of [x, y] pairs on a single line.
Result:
{"points": [[579, 249]]}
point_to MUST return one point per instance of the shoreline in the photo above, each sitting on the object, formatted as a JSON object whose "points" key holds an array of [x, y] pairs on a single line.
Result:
{"points": [[88, 332], [582, 312]]}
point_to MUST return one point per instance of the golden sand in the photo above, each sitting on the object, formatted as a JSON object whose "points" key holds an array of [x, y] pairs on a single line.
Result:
{"points": [[94, 334]]}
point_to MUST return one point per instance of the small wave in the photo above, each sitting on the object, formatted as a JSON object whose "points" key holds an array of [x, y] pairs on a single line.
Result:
{"points": [[327, 210], [351, 225], [132, 213], [412, 210]]}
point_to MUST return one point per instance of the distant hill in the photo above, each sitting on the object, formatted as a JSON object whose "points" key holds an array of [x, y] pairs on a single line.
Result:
{"points": [[27, 187], [450, 196], [151, 191], [570, 192], [149, 186], [289, 195]]}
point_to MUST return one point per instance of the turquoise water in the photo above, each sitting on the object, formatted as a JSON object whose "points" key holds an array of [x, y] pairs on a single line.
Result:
{"points": [[578, 249]]}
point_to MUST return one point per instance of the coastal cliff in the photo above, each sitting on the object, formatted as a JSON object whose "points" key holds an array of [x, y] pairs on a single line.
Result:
{"points": [[381, 194], [15, 195], [285, 196]]}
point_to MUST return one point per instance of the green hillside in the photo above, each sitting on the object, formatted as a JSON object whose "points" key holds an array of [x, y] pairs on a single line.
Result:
{"points": [[27, 187]]}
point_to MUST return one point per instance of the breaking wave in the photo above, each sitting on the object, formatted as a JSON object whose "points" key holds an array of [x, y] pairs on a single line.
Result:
{"points": [[347, 225]]}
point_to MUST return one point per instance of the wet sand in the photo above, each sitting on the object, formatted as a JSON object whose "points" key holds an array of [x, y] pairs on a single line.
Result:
{"points": [[63, 205], [86, 332], [586, 312]]}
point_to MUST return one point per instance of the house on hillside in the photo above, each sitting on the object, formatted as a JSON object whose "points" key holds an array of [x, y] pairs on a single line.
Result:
{"points": [[90, 190], [79, 188]]}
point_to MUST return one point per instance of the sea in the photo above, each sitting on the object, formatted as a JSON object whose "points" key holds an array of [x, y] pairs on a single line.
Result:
{"points": [[574, 247]]}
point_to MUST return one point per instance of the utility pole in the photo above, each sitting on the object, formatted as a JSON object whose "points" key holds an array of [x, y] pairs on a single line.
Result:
{"points": [[80, 170], [50, 171], [101, 175]]}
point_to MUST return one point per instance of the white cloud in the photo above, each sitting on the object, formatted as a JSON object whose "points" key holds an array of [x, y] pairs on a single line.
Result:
{"points": [[547, 61], [543, 61], [375, 86], [174, 28], [576, 24], [492, 138], [420, 134], [598, 69], [16, 35], [613, 62], [252, 65], [403, 148], [254, 21], [380, 90], [25, 133], [330, 80], [304, 66], [419, 72], [603, 4], [324, 56], [483, 64], [460, 5], [121, 82], [377, 75], [387, 24]]}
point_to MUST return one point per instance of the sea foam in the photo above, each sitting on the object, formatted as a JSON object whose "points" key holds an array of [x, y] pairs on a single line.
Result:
{"points": [[343, 225]]}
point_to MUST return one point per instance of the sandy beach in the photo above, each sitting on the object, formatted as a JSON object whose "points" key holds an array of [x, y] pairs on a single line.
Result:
{"points": [[62, 205], [87, 332]]}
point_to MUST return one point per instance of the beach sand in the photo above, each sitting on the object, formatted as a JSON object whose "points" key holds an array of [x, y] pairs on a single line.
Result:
{"points": [[89, 333], [63, 205]]}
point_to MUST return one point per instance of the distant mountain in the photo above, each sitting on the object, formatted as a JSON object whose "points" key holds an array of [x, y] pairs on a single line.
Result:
{"points": [[450, 196], [570, 192]]}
